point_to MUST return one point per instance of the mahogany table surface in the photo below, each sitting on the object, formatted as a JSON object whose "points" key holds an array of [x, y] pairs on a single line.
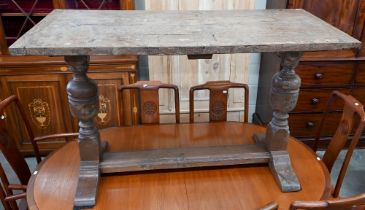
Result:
{"points": [[53, 185]]}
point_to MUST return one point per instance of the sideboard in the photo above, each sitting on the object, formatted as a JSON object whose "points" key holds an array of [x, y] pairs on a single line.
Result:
{"points": [[40, 81], [321, 72]]}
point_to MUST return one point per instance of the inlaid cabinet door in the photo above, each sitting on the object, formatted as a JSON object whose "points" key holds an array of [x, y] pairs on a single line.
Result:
{"points": [[113, 111], [43, 98]]}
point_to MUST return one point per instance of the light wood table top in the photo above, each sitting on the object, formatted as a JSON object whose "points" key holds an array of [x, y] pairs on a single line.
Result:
{"points": [[236, 187]]}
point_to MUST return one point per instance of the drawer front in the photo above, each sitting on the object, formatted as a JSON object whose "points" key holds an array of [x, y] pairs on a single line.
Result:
{"points": [[360, 74], [315, 100], [306, 125], [320, 73]]}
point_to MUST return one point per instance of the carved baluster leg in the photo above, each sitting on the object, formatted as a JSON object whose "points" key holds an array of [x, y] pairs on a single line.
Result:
{"points": [[284, 96], [83, 101]]}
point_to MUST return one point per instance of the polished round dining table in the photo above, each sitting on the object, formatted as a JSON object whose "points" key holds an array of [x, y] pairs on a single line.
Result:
{"points": [[53, 184]]}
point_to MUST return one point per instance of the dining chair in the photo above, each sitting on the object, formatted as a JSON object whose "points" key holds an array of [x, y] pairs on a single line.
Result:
{"points": [[218, 97], [13, 155], [149, 105], [350, 126], [353, 203]]}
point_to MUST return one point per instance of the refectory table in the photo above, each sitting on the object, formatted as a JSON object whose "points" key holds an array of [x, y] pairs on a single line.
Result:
{"points": [[77, 34]]}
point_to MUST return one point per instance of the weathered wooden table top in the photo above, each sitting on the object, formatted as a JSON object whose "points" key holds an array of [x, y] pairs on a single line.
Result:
{"points": [[83, 32]]}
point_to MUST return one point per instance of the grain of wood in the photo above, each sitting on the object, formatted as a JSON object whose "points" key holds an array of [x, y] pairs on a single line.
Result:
{"points": [[183, 158], [80, 32]]}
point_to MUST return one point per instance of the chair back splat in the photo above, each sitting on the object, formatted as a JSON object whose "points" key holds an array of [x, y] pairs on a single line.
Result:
{"points": [[218, 98], [149, 105], [352, 203]]}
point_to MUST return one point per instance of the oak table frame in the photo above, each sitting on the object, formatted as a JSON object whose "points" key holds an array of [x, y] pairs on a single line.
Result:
{"points": [[78, 34]]}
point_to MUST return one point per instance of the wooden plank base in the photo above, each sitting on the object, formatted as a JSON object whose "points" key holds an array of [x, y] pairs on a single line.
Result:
{"points": [[281, 167], [183, 158]]}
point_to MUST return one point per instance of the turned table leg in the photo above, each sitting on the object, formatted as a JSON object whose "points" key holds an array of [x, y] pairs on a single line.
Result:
{"points": [[284, 96], [83, 101]]}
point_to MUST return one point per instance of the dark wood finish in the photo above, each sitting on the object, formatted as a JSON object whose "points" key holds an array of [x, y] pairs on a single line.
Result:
{"points": [[7, 197], [352, 109], [284, 96], [306, 125], [217, 188], [325, 73], [12, 154], [149, 105], [360, 74], [339, 13], [359, 31], [316, 100], [321, 72], [83, 95], [218, 97], [3, 48], [42, 78], [353, 203], [45, 78], [113, 111], [42, 97], [126, 4], [59, 4]]}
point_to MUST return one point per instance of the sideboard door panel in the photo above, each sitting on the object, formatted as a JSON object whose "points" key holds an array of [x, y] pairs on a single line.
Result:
{"points": [[110, 100], [42, 97]]}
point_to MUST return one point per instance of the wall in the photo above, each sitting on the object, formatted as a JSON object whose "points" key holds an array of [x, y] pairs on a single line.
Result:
{"points": [[185, 73]]}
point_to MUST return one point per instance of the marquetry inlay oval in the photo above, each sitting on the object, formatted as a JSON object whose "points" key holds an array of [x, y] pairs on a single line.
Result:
{"points": [[150, 108], [104, 109], [39, 112]]}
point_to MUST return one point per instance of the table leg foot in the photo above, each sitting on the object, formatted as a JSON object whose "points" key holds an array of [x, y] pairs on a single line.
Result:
{"points": [[281, 167], [87, 186], [283, 172]]}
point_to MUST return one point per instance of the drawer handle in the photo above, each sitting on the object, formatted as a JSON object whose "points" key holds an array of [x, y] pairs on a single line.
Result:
{"points": [[310, 124], [315, 101], [63, 69], [2, 117], [318, 76]]}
